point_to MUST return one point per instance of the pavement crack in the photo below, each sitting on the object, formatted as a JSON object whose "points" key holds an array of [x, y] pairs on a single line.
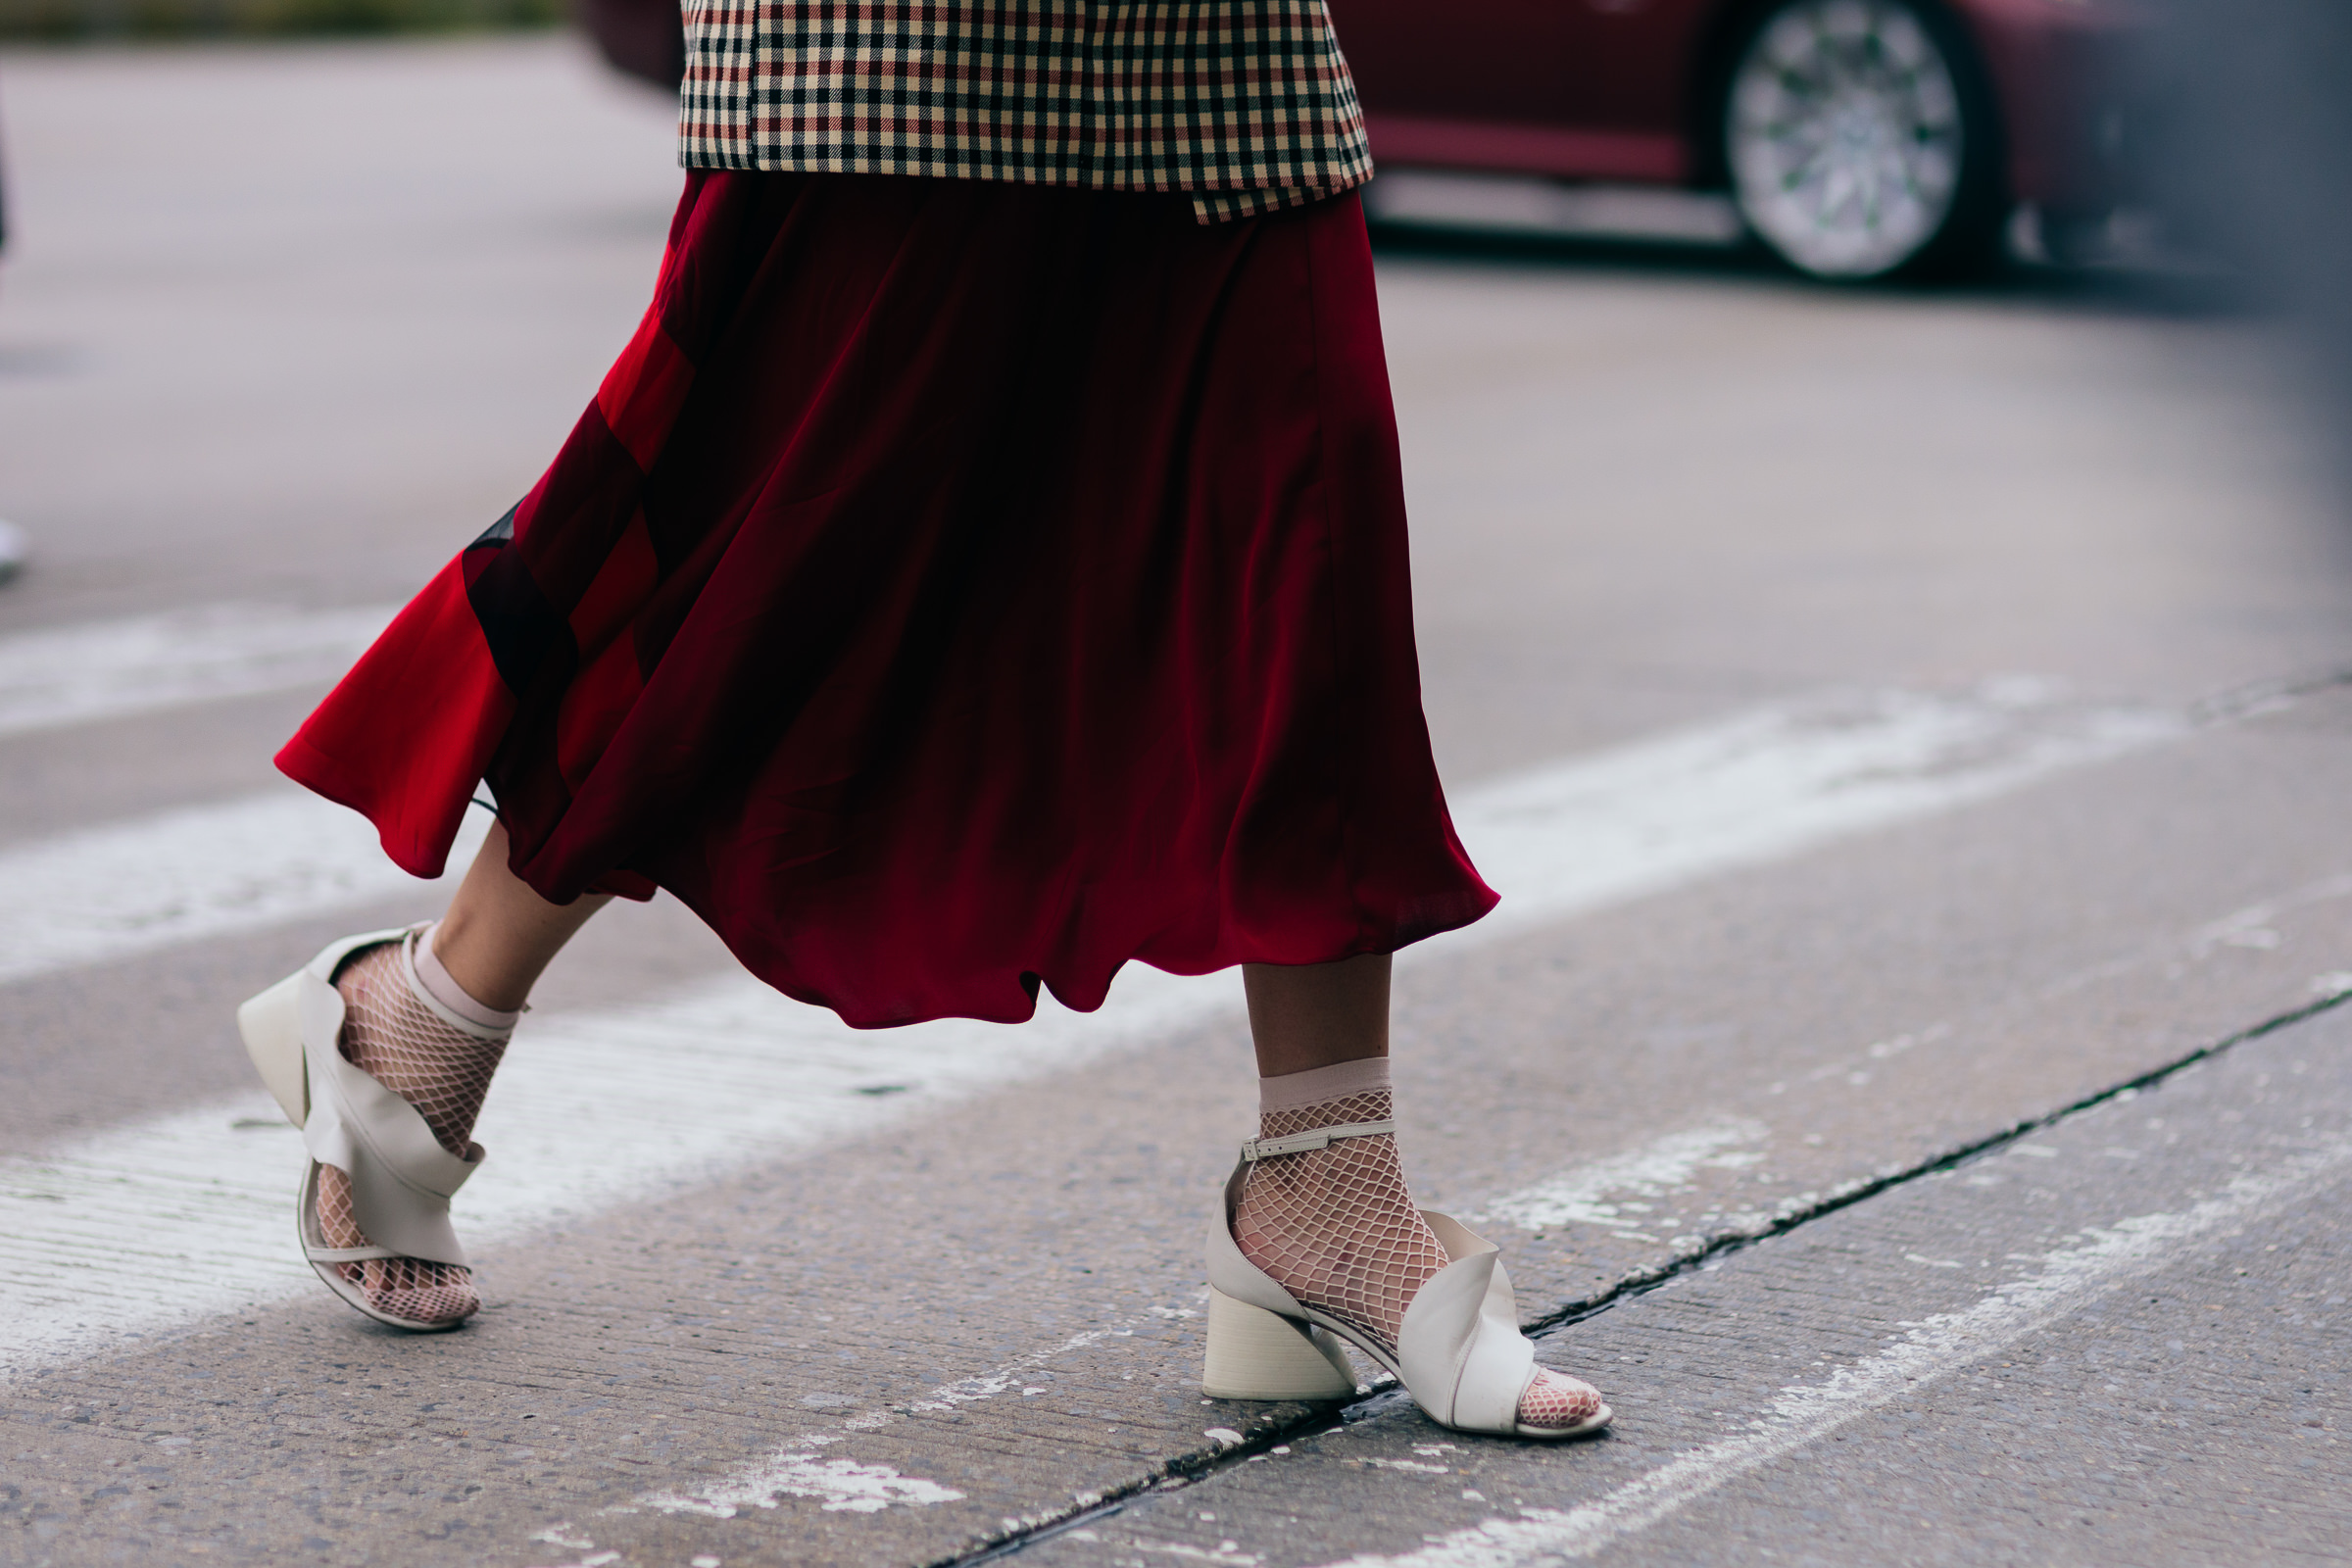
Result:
{"points": [[1185, 1470]]}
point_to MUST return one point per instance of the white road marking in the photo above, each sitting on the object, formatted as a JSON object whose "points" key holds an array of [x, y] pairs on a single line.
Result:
{"points": [[1556, 841], [669, 1094], [1927, 1351], [111, 668], [1584, 832], [726, 1074], [1583, 1194], [190, 874]]}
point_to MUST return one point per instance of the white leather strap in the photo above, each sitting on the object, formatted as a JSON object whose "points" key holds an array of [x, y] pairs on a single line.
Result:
{"points": [[346, 1254], [1315, 1138]]}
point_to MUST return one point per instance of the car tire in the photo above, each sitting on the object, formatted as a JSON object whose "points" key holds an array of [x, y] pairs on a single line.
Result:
{"points": [[1860, 139]]}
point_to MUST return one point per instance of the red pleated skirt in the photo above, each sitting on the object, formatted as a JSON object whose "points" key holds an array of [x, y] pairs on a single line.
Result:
{"points": [[955, 587]]}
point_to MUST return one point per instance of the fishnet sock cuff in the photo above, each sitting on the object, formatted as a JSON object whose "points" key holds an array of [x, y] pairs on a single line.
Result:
{"points": [[1336, 1227], [392, 1037], [395, 1039]]}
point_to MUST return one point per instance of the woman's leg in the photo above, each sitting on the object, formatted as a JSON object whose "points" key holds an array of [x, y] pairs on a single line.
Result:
{"points": [[1310, 1016], [499, 936], [1336, 1227], [431, 1026]]}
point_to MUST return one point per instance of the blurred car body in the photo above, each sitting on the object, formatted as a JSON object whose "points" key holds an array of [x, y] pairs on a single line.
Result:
{"points": [[641, 38], [1860, 137]]}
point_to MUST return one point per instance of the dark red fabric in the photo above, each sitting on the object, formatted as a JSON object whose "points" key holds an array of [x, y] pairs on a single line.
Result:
{"points": [[954, 585]]}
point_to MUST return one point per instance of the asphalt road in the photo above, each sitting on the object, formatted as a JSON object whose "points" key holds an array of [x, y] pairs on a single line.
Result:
{"points": [[1911, 732]]}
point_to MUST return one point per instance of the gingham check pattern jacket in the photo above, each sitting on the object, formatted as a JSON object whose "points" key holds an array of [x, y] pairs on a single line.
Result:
{"points": [[1246, 104]]}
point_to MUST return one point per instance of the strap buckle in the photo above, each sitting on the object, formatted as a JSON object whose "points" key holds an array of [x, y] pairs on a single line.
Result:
{"points": [[1257, 1149]]}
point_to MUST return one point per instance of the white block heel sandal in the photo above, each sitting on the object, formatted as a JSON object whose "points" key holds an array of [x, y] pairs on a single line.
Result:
{"points": [[1459, 1354], [401, 1177]]}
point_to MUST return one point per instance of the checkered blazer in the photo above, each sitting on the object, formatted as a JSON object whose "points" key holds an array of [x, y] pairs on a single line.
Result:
{"points": [[1247, 104]]}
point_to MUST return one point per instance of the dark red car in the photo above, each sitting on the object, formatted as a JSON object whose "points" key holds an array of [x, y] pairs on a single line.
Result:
{"points": [[1858, 137]]}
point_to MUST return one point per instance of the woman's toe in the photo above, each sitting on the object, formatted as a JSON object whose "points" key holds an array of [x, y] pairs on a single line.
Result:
{"points": [[1559, 1403], [423, 1292]]}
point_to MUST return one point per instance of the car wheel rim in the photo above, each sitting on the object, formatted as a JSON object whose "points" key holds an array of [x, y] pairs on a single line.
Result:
{"points": [[1844, 136]]}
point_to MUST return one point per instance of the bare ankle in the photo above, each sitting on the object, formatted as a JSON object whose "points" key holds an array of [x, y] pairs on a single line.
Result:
{"points": [[499, 935]]}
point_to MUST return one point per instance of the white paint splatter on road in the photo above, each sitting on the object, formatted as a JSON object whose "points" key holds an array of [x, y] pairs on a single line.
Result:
{"points": [[845, 1486], [795, 1470], [1598, 1192]]}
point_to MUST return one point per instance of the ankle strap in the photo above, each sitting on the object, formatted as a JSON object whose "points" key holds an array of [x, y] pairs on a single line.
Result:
{"points": [[1314, 1138]]}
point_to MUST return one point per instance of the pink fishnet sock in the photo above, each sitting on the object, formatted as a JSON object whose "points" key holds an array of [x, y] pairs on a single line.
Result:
{"points": [[444, 1072], [1336, 1228]]}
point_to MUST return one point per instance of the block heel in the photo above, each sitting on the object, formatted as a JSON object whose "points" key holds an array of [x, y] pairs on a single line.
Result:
{"points": [[1257, 1354], [270, 1026]]}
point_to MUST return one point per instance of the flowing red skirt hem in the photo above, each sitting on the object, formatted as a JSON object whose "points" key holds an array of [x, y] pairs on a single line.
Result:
{"points": [[955, 589]]}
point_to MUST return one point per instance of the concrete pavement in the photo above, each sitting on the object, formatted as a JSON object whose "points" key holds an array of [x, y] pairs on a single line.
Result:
{"points": [[936, 1295]]}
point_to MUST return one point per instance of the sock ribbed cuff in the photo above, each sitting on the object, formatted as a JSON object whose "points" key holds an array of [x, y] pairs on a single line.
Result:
{"points": [[1295, 1090], [443, 988]]}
